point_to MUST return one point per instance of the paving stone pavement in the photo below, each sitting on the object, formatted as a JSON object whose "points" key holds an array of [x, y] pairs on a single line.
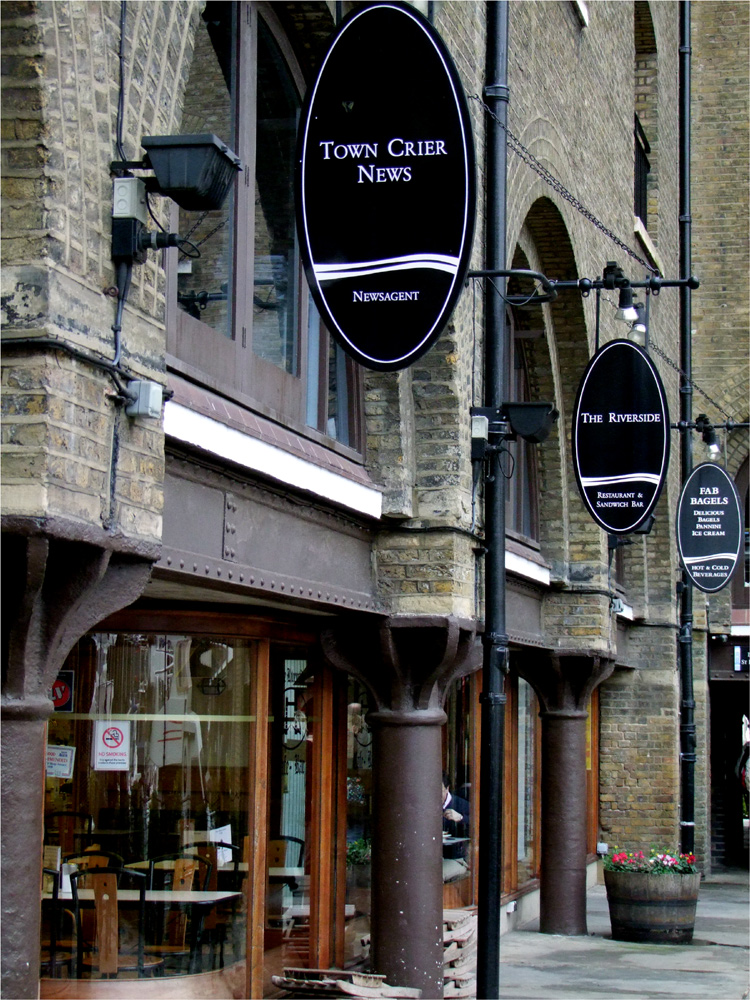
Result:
{"points": [[715, 966]]}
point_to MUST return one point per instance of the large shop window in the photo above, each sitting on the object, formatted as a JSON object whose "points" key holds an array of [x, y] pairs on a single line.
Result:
{"points": [[148, 770], [232, 776], [244, 322]]}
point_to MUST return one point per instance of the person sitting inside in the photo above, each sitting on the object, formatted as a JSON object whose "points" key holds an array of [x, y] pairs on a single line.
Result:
{"points": [[455, 812]]}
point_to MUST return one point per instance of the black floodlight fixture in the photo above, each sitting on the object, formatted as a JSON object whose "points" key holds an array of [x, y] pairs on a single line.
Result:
{"points": [[531, 421], [646, 526], [195, 171]]}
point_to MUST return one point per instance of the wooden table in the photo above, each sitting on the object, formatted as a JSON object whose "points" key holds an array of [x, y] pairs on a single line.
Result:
{"points": [[164, 897]]}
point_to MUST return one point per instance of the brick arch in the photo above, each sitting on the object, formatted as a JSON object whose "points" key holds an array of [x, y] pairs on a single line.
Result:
{"points": [[556, 362]]}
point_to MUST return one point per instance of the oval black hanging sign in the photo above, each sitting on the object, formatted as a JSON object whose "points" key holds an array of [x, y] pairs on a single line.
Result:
{"points": [[385, 186], [709, 527], [620, 437]]}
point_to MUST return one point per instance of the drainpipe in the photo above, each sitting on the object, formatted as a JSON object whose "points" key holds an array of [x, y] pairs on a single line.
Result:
{"points": [[687, 702], [495, 638]]}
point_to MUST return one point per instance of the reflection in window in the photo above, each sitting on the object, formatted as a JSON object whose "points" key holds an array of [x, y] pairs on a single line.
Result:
{"points": [[526, 791], [277, 267], [245, 320], [158, 726], [287, 923], [204, 279], [358, 826], [521, 504]]}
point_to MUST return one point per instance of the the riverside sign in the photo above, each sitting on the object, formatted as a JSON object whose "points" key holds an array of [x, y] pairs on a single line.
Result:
{"points": [[385, 186], [620, 437]]}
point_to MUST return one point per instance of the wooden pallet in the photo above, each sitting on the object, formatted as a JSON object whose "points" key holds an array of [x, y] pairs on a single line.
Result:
{"points": [[341, 983], [460, 953]]}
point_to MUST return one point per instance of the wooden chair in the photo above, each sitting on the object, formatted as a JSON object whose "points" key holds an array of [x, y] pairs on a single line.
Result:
{"points": [[94, 857], [282, 853], [90, 858], [168, 936], [55, 951], [106, 955], [221, 922]]}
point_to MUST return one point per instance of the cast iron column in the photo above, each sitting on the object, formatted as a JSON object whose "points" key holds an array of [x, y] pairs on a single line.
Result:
{"points": [[407, 664], [563, 682], [407, 860]]}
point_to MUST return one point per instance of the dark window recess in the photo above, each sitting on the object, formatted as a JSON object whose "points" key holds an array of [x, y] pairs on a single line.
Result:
{"points": [[642, 170], [522, 488]]}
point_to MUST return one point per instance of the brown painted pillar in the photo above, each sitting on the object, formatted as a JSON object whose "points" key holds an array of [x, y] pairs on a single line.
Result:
{"points": [[564, 821], [407, 864], [407, 664], [53, 591], [563, 682]]}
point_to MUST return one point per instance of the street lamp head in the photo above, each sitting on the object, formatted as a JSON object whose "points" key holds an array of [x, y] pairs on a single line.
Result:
{"points": [[625, 308], [710, 438], [638, 331]]}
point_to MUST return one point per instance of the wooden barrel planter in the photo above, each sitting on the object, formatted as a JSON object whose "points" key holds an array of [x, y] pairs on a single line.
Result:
{"points": [[659, 909]]}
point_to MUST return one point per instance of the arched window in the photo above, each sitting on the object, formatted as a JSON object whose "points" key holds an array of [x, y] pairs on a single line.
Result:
{"points": [[242, 319]]}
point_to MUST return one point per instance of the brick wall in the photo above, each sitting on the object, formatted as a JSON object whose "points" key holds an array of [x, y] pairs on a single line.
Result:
{"points": [[68, 450]]}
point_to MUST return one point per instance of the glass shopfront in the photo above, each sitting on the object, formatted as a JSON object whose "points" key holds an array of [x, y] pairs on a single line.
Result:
{"points": [[232, 775]]}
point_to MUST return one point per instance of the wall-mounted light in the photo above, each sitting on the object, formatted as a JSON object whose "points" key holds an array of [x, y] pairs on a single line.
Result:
{"points": [[196, 171], [531, 421]]}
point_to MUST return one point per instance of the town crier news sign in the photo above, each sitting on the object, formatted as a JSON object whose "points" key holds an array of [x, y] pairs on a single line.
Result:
{"points": [[385, 186], [709, 527], [620, 437]]}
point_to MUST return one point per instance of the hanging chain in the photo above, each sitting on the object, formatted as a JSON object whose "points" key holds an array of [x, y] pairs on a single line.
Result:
{"points": [[657, 350], [528, 157], [208, 234]]}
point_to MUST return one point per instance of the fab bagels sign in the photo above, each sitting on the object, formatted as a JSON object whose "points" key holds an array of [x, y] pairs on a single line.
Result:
{"points": [[385, 186], [709, 527], [620, 437]]}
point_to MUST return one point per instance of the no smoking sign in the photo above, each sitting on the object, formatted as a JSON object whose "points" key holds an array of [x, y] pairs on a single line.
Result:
{"points": [[111, 746]]}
